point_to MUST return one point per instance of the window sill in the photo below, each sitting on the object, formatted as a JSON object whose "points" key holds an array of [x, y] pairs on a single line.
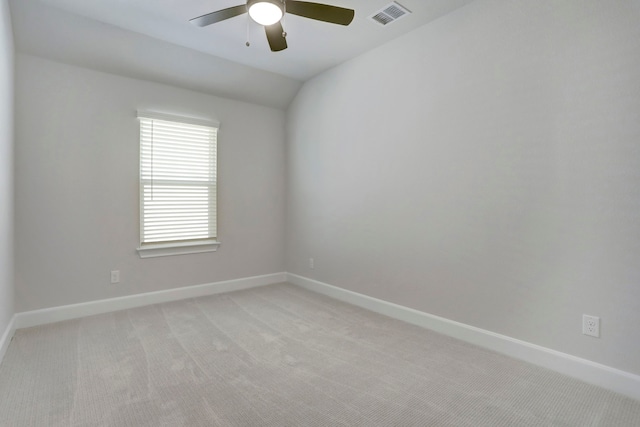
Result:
{"points": [[170, 249]]}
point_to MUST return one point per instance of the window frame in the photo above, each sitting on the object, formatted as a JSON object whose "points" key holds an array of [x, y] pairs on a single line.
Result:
{"points": [[176, 247]]}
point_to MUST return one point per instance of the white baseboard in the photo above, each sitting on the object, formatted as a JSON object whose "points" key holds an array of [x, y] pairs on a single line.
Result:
{"points": [[595, 373], [28, 319], [591, 372], [6, 337]]}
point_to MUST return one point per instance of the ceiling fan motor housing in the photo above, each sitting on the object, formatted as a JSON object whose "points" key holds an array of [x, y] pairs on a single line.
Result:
{"points": [[279, 3]]}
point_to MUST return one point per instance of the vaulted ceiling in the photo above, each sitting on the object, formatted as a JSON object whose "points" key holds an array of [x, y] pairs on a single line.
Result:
{"points": [[153, 39]]}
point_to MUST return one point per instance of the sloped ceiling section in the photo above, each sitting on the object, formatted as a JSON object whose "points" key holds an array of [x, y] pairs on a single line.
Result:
{"points": [[314, 46], [54, 34]]}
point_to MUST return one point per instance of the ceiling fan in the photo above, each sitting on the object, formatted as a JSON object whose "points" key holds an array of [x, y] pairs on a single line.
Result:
{"points": [[269, 13]]}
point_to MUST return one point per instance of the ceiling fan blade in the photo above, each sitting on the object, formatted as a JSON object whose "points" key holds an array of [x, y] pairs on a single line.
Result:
{"points": [[321, 12], [220, 15], [274, 35]]}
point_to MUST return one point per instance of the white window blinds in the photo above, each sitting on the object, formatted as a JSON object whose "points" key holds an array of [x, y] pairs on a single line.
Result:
{"points": [[177, 180]]}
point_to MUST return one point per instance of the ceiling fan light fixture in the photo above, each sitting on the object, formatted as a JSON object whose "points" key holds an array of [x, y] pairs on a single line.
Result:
{"points": [[265, 12], [269, 14]]}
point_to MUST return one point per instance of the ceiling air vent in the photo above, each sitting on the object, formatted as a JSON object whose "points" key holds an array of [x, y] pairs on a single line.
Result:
{"points": [[390, 13]]}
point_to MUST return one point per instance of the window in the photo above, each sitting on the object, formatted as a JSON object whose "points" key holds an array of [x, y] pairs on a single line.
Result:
{"points": [[177, 185]]}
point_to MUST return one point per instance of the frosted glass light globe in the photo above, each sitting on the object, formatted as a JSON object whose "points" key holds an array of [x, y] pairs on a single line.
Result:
{"points": [[265, 13]]}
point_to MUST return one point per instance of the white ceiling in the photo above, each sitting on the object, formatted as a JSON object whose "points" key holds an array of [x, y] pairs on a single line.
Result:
{"points": [[153, 40], [313, 46]]}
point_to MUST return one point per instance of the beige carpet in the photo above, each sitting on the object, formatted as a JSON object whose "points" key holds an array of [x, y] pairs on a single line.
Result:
{"points": [[279, 356]]}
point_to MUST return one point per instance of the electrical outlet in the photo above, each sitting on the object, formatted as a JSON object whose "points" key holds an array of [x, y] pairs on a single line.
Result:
{"points": [[312, 264], [115, 276], [591, 325]]}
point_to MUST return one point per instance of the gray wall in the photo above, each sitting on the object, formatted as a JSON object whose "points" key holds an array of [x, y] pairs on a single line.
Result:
{"points": [[484, 168], [6, 167], [77, 186]]}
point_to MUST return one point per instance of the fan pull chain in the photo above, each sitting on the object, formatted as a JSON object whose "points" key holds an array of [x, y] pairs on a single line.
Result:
{"points": [[248, 43], [284, 13]]}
